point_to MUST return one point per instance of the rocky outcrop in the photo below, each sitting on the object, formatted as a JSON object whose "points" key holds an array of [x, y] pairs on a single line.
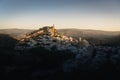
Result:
{"points": [[49, 38]]}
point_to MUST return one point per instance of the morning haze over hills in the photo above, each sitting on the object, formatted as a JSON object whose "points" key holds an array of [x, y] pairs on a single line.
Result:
{"points": [[83, 44], [69, 32]]}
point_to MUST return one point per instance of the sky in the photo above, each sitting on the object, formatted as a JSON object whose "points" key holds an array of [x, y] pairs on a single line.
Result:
{"points": [[81, 14]]}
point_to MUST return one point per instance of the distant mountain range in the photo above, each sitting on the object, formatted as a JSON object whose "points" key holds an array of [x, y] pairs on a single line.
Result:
{"points": [[89, 33], [15, 33], [19, 33]]}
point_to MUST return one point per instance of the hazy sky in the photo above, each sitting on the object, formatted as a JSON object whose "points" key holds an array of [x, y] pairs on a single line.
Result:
{"points": [[82, 14]]}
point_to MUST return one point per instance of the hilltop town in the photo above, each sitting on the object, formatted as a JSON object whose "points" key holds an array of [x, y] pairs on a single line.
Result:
{"points": [[49, 37]]}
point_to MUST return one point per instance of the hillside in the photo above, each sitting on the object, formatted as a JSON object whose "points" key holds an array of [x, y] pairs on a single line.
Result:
{"points": [[46, 54], [95, 37]]}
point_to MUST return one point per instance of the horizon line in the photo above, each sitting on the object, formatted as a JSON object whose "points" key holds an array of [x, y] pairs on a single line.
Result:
{"points": [[61, 29]]}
